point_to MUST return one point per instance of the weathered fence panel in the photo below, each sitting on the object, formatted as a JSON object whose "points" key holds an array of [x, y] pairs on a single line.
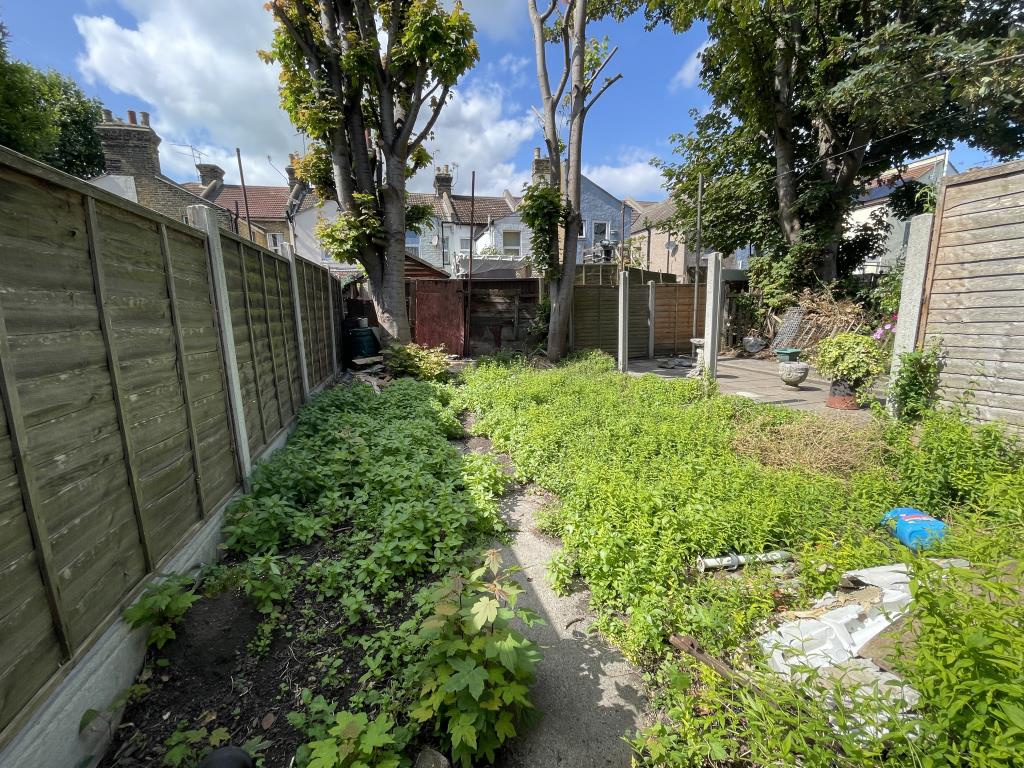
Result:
{"points": [[674, 323], [116, 439], [974, 292]]}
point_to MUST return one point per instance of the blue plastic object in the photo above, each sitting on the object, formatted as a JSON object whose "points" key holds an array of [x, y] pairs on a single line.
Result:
{"points": [[914, 529]]}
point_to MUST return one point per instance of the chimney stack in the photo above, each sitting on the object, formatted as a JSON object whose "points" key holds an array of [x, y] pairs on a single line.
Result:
{"points": [[129, 149], [541, 170], [290, 169], [442, 180]]}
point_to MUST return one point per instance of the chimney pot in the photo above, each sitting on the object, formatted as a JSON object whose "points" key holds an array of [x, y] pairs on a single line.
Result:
{"points": [[145, 118], [536, 153], [210, 172], [131, 117], [108, 116]]}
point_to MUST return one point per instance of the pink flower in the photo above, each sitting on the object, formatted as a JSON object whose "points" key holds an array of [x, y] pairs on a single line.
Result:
{"points": [[888, 326], [878, 334]]}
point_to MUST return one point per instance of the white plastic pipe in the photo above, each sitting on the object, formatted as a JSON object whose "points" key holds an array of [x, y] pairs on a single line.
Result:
{"points": [[732, 562]]}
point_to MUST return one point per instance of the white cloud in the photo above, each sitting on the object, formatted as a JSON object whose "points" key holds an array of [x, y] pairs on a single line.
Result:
{"points": [[476, 133], [689, 74], [632, 176], [195, 65]]}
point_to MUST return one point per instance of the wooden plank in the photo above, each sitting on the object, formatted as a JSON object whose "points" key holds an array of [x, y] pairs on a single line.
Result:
{"points": [[270, 339], [252, 344], [993, 234], [183, 369], [994, 369], [99, 283], [977, 285], [962, 254], [978, 299], [1012, 268], [981, 328], [30, 499]]}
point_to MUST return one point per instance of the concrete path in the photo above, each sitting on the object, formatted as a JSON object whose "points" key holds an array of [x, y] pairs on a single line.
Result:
{"points": [[759, 380], [588, 697]]}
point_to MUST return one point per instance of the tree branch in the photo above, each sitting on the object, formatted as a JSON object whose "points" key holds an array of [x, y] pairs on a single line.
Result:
{"points": [[607, 84], [593, 78], [433, 119]]}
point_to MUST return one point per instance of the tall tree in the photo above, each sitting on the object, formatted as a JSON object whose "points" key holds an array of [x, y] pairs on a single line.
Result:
{"points": [[367, 80], [563, 114], [814, 98], [46, 116]]}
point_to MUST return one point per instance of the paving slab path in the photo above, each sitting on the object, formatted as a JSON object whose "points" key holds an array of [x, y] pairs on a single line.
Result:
{"points": [[587, 695]]}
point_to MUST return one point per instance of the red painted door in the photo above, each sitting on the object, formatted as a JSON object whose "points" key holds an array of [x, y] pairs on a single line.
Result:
{"points": [[441, 314]]}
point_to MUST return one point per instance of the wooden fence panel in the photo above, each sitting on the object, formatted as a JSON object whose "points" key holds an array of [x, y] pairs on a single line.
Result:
{"points": [[674, 319], [639, 298], [974, 292], [116, 435], [595, 318]]}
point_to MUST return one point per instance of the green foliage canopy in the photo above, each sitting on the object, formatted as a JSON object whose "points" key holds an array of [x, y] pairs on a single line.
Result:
{"points": [[46, 116], [811, 100]]}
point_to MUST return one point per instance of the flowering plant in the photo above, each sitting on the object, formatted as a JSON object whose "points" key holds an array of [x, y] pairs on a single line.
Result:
{"points": [[886, 329]]}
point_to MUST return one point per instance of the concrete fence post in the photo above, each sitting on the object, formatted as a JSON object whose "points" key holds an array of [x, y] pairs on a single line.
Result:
{"points": [[650, 318], [623, 360], [712, 314], [915, 267], [201, 217], [289, 253]]}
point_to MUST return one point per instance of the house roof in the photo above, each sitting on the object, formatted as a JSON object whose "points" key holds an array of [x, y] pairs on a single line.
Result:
{"points": [[653, 214], [483, 208], [927, 171], [264, 202], [420, 198]]}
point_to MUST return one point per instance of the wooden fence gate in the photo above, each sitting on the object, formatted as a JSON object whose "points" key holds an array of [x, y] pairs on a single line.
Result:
{"points": [[440, 309]]}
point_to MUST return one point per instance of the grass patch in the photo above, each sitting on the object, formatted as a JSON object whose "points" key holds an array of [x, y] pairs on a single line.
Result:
{"points": [[653, 474]]}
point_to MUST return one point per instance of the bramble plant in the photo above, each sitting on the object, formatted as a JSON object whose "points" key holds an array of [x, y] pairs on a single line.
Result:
{"points": [[477, 669], [162, 606], [858, 360]]}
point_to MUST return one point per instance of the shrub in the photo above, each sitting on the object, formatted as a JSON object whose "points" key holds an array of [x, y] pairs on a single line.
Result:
{"points": [[162, 606], [354, 741], [850, 357], [477, 669], [915, 387], [424, 363]]}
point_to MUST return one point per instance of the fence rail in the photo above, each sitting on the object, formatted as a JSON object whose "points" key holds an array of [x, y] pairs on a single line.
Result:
{"points": [[117, 433]]}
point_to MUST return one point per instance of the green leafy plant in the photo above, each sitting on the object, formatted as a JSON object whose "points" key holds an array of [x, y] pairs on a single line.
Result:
{"points": [[355, 741], [543, 210], [914, 389], [424, 363], [850, 357], [162, 606], [186, 747], [477, 669]]}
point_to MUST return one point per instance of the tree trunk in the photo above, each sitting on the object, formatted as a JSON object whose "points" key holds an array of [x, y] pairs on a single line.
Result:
{"points": [[782, 108], [389, 293]]}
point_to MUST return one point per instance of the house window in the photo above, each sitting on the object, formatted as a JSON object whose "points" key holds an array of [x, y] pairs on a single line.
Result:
{"points": [[583, 230], [412, 243], [274, 241], [511, 240], [601, 231], [446, 258], [464, 244]]}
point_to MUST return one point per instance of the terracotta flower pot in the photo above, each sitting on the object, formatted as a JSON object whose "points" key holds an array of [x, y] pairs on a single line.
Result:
{"points": [[842, 396]]}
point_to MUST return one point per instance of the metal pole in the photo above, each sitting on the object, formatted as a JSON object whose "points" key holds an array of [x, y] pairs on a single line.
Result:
{"points": [[245, 195], [469, 281], [696, 270]]}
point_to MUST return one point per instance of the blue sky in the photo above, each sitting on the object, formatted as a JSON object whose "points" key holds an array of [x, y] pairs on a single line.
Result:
{"points": [[192, 64]]}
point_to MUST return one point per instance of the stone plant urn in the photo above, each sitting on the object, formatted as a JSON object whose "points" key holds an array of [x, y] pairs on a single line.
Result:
{"points": [[842, 396], [793, 373]]}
